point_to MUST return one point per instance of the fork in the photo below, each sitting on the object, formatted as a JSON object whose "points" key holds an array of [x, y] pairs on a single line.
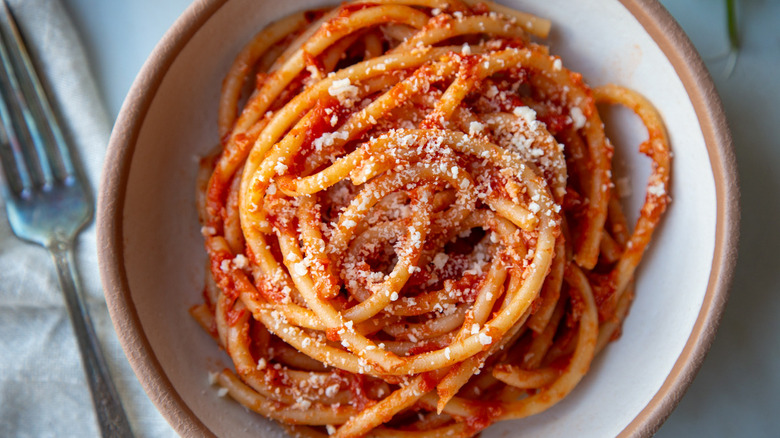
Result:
{"points": [[48, 203]]}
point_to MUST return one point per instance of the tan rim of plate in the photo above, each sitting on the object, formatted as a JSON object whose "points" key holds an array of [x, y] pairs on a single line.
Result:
{"points": [[659, 25]]}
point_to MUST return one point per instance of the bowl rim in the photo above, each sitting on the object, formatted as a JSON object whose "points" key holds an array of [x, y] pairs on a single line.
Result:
{"points": [[659, 25]]}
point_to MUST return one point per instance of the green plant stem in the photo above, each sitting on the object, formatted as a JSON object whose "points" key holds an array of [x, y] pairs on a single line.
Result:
{"points": [[731, 16]]}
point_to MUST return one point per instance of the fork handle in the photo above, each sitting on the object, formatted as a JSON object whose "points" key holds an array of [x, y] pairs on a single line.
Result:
{"points": [[111, 417]]}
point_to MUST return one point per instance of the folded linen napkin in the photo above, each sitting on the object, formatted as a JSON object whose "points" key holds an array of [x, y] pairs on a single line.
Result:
{"points": [[43, 391]]}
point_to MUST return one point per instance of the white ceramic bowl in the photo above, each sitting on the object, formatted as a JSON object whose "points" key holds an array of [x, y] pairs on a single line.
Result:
{"points": [[152, 257]]}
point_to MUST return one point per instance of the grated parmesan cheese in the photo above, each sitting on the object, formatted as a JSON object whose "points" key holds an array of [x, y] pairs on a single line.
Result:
{"points": [[577, 117], [342, 87], [225, 266], [240, 261], [476, 128], [527, 114], [656, 189], [332, 390], [300, 269], [440, 260], [328, 139]]}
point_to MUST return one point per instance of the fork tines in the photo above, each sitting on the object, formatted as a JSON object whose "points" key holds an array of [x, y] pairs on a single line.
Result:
{"points": [[27, 119]]}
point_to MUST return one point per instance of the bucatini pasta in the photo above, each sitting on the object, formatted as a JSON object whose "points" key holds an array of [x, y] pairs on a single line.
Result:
{"points": [[411, 220]]}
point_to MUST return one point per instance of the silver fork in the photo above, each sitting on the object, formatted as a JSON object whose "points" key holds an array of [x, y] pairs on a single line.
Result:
{"points": [[48, 203]]}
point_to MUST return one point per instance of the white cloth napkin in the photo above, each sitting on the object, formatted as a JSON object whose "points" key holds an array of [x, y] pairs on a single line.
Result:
{"points": [[43, 392]]}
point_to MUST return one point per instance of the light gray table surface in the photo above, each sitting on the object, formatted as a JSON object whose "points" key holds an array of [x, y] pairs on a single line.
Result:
{"points": [[737, 391]]}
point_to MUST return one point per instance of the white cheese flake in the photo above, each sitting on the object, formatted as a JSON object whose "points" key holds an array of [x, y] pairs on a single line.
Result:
{"points": [[577, 117], [332, 390], [440, 260], [225, 266], [656, 189], [302, 404], [328, 139], [341, 87], [475, 128], [300, 268], [526, 113], [240, 261]]}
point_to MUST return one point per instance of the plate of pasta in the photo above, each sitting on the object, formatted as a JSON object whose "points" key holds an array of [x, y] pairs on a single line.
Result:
{"points": [[419, 218]]}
